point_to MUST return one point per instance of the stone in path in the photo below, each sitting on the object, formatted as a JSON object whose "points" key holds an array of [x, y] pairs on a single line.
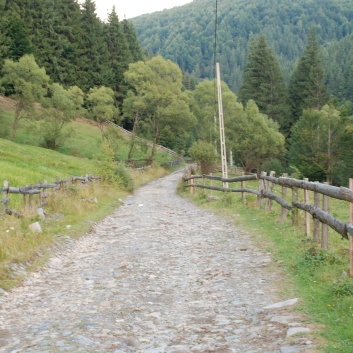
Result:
{"points": [[157, 276]]}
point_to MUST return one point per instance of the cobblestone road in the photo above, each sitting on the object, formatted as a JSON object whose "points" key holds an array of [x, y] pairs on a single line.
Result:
{"points": [[157, 276]]}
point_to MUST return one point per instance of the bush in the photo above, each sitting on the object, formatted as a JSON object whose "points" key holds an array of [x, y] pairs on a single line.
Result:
{"points": [[113, 172], [204, 154]]}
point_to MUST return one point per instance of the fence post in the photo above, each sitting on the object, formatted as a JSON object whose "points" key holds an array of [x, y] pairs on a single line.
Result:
{"points": [[307, 214], [243, 194], [211, 184], [351, 237], [192, 180], [284, 197], [39, 195], [261, 189], [270, 185], [316, 234], [324, 235], [294, 209], [30, 196], [5, 192]]}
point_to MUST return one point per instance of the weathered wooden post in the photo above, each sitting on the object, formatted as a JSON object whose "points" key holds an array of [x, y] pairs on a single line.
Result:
{"points": [[307, 214], [261, 189], [30, 197], [192, 180], [351, 237], [211, 184], [45, 194], [5, 192], [294, 209], [243, 194], [270, 188], [316, 234], [284, 197], [40, 195], [324, 234]]}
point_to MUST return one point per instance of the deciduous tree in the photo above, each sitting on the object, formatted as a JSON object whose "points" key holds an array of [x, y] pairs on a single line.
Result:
{"points": [[102, 108], [316, 147], [29, 83], [158, 83], [254, 137], [60, 108]]}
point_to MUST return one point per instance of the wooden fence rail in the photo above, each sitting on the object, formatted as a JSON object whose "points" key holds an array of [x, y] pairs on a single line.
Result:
{"points": [[39, 189], [265, 191]]}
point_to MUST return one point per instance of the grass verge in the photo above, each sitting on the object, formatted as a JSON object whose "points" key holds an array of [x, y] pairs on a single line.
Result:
{"points": [[68, 213], [314, 275]]}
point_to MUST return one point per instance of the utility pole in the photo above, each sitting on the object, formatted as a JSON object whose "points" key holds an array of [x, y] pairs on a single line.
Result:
{"points": [[221, 127]]}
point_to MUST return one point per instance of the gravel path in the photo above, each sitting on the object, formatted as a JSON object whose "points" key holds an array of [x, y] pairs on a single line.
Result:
{"points": [[157, 276]]}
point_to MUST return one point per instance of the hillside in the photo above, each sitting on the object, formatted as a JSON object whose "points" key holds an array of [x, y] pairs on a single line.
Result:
{"points": [[186, 34]]}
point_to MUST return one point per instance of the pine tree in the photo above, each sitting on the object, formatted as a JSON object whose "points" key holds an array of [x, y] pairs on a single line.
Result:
{"points": [[94, 55], [263, 82], [131, 37], [307, 87], [119, 53], [68, 30]]}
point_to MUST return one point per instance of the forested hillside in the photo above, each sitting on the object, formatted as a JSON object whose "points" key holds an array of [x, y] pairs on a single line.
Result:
{"points": [[186, 35], [73, 45]]}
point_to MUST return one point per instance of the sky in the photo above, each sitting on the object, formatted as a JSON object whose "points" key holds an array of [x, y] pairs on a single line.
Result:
{"points": [[133, 8]]}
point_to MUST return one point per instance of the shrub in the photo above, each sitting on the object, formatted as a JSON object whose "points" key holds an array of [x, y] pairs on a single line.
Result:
{"points": [[204, 154]]}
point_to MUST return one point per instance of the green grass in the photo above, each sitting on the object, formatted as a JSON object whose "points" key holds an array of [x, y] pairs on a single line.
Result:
{"points": [[79, 207], [85, 139], [313, 275], [23, 162]]}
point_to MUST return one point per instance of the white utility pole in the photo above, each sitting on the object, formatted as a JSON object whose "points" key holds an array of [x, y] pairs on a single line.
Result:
{"points": [[221, 127]]}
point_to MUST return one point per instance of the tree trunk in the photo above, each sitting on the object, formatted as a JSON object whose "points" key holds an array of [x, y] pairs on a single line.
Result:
{"points": [[155, 138], [133, 136]]}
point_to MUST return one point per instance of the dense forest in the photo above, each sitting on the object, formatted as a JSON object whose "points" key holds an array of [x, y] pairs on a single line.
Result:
{"points": [[186, 36], [73, 45]]}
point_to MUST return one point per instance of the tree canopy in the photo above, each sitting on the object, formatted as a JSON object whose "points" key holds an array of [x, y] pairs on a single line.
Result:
{"points": [[164, 108], [186, 35], [263, 82]]}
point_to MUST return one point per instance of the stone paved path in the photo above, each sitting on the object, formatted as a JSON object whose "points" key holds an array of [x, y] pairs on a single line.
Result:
{"points": [[157, 276]]}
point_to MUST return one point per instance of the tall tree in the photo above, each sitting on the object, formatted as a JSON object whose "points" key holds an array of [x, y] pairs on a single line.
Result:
{"points": [[29, 83], [101, 106], [158, 83], [94, 68], [315, 145], [119, 53], [60, 108], [254, 137], [131, 36], [307, 87], [263, 82], [204, 107]]}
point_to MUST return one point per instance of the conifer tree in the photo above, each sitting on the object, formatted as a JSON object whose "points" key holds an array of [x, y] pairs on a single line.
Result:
{"points": [[131, 37], [307, 87], [94, 68], [119, 53], [263, 82]]}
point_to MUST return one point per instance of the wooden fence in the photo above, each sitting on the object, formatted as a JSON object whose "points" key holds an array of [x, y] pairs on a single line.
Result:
{"points": [[265, 193], [40, 189]]}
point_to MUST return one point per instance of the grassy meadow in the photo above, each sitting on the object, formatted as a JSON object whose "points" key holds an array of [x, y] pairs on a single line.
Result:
{"points": [[70, 213], [317, 277]]}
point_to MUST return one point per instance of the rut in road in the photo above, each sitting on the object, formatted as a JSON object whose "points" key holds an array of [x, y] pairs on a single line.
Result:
{"points": [[159, 275]]}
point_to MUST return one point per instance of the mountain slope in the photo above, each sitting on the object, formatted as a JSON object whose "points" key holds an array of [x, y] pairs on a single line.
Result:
{"points": [[186, 34]]}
